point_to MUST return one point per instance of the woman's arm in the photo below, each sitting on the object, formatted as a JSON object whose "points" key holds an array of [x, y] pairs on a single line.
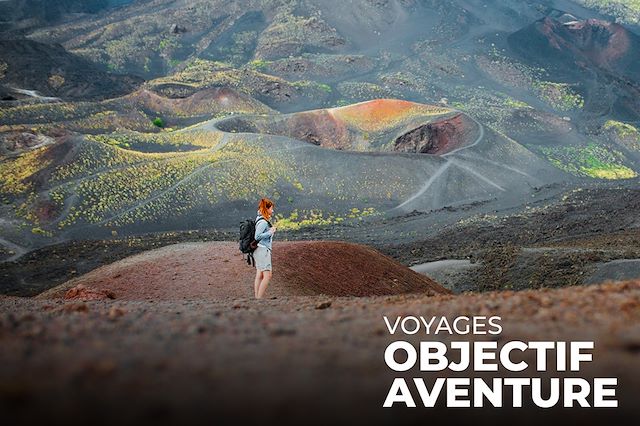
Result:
{"points": [[262, 230]]}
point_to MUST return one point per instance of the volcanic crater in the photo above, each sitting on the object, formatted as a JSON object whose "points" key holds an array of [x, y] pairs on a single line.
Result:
{"points": [[382, 125]]}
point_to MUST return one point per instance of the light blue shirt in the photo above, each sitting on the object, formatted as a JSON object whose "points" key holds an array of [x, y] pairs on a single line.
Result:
{"points": [[263, 236]]}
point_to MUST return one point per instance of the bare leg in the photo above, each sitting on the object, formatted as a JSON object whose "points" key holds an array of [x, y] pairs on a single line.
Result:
{"points": [[264, 283], [256, 282]]}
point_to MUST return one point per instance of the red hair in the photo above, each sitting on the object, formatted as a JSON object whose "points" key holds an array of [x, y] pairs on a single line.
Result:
{"points": [[264, 206]]}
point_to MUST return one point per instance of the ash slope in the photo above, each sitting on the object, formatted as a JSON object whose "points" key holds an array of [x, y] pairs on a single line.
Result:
{"points": [[308, 54], [304, 54], [23, 15], [89, 187], [601, 57], [53, 72]]}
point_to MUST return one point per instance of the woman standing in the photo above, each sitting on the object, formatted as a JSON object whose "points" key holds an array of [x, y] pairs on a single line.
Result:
{"points": [[262, 254]]}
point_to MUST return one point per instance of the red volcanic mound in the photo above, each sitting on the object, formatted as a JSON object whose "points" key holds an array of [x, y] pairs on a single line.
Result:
{"points": [[205, 101], [378, 125], [590, 43], [217, 270]]}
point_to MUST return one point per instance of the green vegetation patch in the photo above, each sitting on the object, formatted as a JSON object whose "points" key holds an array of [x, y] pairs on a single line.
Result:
{"points": [[141, 187], [130, 45], [47, 112], [592, 161], [106, 121], [202, 73], [93, 157], [306, 84], [239, 48], [83, 117], [259, 64], [116, 190], [509, 102], [504, 69], [299, 219], [625, 134], [290, 35], [622, 129], [356, 91], [16, 173], [494, 109], [560, 96]]}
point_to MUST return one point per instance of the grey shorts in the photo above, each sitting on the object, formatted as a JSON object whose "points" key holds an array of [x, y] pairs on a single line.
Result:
{"points": [[262, 256]]}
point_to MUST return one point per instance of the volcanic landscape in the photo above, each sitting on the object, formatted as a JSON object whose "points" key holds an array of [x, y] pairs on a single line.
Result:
{"points": [[452, 157]]}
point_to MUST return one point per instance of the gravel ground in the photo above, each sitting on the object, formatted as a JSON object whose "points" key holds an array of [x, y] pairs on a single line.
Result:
{"points": [[298, 359]]}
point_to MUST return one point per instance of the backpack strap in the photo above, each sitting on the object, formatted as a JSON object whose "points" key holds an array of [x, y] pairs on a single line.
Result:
{"points": [[262, 218]]}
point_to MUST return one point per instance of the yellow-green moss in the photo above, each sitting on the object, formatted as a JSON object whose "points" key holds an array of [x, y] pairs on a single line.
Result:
{"points": [[16, 173], [560, 96], [316, 217], [592, 161]]}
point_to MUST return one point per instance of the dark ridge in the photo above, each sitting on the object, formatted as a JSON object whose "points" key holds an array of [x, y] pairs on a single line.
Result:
{"points": [[53, 71]]}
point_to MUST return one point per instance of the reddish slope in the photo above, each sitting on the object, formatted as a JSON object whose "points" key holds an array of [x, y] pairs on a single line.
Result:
{"points": [[206, 101], [377, 125], [216, 270], [581, 44]]}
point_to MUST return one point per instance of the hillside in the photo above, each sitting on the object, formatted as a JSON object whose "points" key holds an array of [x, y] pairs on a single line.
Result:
{"points": [[427, 158], [451, 110], [217, 271], [599, 58], [53, 72], [169, 180]]}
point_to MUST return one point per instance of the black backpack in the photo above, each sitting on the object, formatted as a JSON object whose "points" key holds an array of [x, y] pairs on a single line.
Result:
{"points": [[248, 244]]}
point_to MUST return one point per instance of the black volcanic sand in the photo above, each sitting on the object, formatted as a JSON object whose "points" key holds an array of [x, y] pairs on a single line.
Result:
{"points": [[552, 246], [288, 360], [557, 239]]}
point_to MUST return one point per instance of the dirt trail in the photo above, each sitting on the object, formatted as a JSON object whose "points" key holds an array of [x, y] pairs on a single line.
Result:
{"points": [[446, 165]]}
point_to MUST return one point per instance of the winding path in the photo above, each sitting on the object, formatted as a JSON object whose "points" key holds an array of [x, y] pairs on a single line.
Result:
{"points": [[35, 94], [448, 163]]}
